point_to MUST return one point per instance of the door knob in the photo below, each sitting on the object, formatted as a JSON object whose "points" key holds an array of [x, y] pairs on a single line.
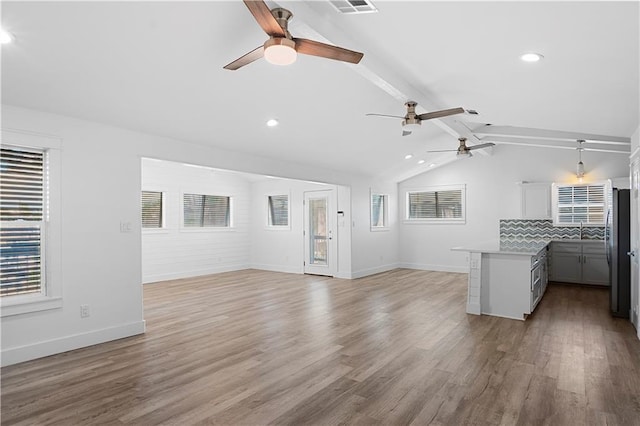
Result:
{"points": [[631, 253]]}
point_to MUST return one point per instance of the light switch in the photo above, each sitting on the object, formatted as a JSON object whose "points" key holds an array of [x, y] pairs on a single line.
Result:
{"points": [[125, 227]]}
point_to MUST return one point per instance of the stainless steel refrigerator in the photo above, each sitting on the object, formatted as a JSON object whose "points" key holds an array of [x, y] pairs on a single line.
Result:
{"points": [[617, 243]]}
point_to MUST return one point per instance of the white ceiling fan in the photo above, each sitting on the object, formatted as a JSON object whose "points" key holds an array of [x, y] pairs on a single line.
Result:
{"points": [[464, 150]]}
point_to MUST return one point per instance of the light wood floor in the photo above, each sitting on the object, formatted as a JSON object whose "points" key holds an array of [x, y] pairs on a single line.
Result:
{"points": [[256, 347]]}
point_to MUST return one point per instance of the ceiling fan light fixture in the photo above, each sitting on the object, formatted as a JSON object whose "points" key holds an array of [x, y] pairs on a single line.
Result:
{"points": [[280, 51], [410, 124]]}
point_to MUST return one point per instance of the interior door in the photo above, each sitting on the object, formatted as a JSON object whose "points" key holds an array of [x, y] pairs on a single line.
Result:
{"points": [[635, 239], [319, 232]]}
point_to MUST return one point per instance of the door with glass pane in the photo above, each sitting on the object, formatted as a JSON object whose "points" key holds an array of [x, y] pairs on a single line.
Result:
{"points": [[319, 241]]}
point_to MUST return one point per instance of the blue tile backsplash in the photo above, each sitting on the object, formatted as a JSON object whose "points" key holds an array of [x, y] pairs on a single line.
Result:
{"points": [[519, 230]]}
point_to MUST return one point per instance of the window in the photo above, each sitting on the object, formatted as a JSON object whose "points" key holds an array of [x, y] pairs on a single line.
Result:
{"points": [[152, 209], [30, 237], [438, 204], [278, 210], [379, 211], [22, 212], [207, 211], [580, 203]]}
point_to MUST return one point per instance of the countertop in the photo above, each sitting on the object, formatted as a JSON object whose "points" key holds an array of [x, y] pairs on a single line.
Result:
{"points": [[523, 248]]}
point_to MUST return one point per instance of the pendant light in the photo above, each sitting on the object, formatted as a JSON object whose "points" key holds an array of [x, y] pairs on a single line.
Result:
{"points": [[580, 166]]}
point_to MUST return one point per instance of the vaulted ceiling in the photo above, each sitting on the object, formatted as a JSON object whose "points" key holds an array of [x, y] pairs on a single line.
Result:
{"points": [[156, 67]]}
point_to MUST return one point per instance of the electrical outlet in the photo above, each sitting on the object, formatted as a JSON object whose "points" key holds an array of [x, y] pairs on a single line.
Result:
{"points": [[84, 311]]}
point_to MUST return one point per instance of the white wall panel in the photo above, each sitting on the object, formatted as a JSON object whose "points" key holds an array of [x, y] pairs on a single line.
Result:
{"points": [[178, 252]]}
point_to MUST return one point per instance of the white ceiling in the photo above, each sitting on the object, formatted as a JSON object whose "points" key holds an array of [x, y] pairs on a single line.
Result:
{"points": [[156, 67]]}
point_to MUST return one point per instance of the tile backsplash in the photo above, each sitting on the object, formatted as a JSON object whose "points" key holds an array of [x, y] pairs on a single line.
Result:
{"points": [[516, 230]]}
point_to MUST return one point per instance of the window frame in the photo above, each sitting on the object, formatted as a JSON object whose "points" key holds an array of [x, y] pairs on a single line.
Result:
{"points": [[385, 211], [163, 206], [268, 224], [51, 295], [442, 221], [555, 207], [188, 229]]}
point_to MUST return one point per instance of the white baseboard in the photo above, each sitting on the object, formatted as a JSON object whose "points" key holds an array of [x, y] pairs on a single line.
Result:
{"points": [[438, 268], [371, 271], [474, 308], [51, 347], [278, 268], [152, 278]]}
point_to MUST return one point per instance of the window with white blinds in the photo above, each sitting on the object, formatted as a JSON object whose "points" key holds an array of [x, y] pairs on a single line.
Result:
{"points": [[152, 209], [580, 203], [278, 210], [441, 204], [207, 211], [379, 211], [22, 214]]}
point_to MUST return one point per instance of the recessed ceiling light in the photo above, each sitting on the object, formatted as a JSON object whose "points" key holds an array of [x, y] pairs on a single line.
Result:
{"points": [[272, 122], [531, 57], [421, 162], [6, 37], [432, 165], [408, 156]]}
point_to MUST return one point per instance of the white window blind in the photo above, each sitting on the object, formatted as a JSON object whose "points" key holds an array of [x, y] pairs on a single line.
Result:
{"points": [[22, 205], [580, 203], [211, 211], [152, 209], [278, 210], [436, 205], [378, 210]]}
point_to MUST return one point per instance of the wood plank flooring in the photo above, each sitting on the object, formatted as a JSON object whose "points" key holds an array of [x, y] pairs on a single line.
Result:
{"points": [[255, 347]]}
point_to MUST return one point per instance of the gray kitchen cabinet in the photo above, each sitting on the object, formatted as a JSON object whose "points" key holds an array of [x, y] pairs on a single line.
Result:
{"points": [[581, 262], [595, 269]]}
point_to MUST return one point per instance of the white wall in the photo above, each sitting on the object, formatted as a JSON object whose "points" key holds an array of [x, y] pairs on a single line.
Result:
{"points": [[372, 251], [178, 252], [280, 249], [101, 267], [492, 194]]}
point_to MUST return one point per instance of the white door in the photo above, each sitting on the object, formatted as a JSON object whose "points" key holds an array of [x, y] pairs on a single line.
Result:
{"points": [[319, 233], [635, 240]]}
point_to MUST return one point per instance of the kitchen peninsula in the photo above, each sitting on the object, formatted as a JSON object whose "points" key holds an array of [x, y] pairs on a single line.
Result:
{"points": [[506, 279]]}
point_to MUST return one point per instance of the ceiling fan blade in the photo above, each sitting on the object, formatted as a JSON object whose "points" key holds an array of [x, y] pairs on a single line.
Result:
{"points": [[385, 115], [265, 19], [406, 132], [254, 55], [315, 48], [440, 114], [482, 145]]}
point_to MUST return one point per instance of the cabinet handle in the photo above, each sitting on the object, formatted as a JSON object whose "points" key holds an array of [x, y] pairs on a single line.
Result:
{"points": [[584, 259]]}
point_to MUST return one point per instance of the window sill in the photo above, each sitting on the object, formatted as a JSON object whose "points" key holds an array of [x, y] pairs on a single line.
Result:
{"points": [[196, 230], [277, 228], [434, 221], [16, 305], [155, 230], [379, 229]]}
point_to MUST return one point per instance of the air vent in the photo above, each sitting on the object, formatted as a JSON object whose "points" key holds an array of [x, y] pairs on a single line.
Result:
{"points": [[353, 6]]}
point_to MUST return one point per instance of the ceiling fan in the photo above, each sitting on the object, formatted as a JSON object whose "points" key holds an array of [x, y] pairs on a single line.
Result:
{"points": [[465, 150], [281, 48], [412, 121]]}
